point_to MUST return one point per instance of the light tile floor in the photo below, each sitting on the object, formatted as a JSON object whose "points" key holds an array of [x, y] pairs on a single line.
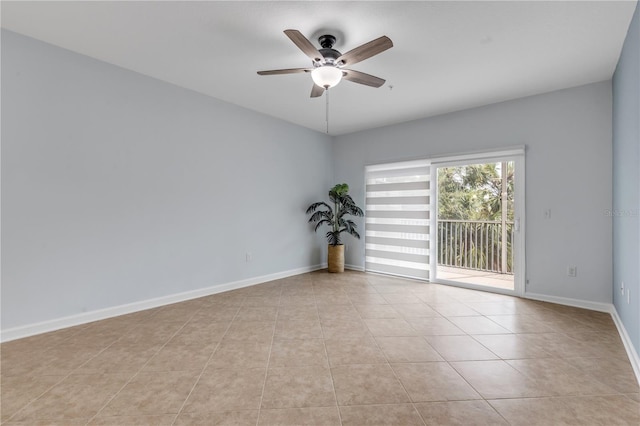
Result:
{"points": [[328, 349]]}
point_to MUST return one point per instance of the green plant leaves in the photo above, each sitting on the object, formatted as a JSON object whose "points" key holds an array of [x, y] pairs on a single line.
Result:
{"points": [[334, 217]]}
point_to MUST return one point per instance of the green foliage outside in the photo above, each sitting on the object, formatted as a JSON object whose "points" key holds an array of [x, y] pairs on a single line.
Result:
{"points": [[473, 193]]}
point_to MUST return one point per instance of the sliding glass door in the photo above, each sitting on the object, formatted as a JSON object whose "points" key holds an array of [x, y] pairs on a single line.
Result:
{"points": [[478, 236], [456, 220]]}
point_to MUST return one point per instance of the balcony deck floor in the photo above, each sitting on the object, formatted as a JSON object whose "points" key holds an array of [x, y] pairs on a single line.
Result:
{"points": [[470, 276]]}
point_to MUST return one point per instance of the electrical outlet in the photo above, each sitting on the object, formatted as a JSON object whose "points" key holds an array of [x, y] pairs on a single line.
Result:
{"points": [[248, 257], [572, 271], [622, 288]]}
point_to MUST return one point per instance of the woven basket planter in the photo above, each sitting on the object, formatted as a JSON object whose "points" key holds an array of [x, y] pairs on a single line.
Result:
{"points": [[336, 258]]}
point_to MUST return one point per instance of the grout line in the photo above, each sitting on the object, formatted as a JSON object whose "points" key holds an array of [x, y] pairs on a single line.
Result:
{"points": [[143, 365], [206, 364], [266, 370], [70, 372], [333, 383]]}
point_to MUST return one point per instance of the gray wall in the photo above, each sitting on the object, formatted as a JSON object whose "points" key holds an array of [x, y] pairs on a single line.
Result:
{"points": [[118, 188], [626, 182], [568, 170]]}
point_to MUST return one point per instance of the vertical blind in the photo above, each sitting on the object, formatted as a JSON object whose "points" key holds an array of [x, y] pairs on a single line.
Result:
{"points": [[397, 219]]}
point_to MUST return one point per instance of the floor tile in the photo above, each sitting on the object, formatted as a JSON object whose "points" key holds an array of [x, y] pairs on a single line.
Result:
{"points": [[227, 418], [332, 329], [370, 297], [460, 348], [175, 357], [119, 358], [298, 353], [296, 329], [299, 300], [335, 350], [298, 313], [634, 396], [216, 313], [590, 410], [453, 309], [261, 331], [76, 397], [262, 301], [512, 346], [355, 350], [152, 333], [152, 393], [521, 323], [137, 420], [319, 416], [367, 384], [558, 377], [615, 373], [200, 332], [49, 422], [298, 387], [433, 381], [333, 299], [402, 297], [497, 379], [18, 391], [377, 311], [459, 413], [390, 327], [388, 414], [478, 325], [338, 313], [415, 310], [434, 326], [257, 313], [407, 349], [226, 389], [240, 354]]}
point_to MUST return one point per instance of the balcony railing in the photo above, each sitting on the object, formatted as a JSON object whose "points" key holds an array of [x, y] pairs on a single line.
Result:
{"points": [[477, 245]]}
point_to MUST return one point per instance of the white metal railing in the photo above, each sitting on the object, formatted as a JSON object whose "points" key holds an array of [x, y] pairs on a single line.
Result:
{"points": [[476, 244]]}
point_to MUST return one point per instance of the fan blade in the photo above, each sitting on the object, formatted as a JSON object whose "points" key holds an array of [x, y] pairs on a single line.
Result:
{"points": [[362, 78], [304, 44], [366, 51], [316, 91], [285, 71]]}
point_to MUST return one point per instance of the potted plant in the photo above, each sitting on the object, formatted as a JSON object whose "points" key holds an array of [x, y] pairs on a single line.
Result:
{"points": [[322, 213]]}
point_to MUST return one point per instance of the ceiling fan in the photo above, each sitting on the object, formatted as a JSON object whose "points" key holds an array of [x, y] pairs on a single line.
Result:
{"points": [[328, 64]]}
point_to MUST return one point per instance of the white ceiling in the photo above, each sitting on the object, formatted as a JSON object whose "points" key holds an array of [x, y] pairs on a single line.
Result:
{"points": [[447, 55]]}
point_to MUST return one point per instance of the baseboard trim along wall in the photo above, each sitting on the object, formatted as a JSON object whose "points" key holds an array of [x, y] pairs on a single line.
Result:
{"points": [[634, 359], [354, 267], [86, 317], [576, 303], [631, 352]]}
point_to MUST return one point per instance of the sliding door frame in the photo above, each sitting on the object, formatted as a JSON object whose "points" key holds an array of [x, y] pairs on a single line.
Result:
{"points": [[517, 155]]}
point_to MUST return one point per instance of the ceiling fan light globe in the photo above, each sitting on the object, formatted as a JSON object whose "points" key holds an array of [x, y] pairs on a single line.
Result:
{"points": [[326, 76]]}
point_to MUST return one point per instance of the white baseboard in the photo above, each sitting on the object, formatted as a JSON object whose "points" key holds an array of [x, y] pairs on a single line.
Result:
{"points": [[86, 317], [576, 303], [354, 267], [631, 352], [600, 307]]}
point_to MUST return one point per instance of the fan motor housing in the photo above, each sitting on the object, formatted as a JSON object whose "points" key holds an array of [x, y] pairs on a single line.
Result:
{"points": [[328, 52]]}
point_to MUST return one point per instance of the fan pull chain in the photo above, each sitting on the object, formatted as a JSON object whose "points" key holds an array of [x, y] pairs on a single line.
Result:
{"points": [[327, 109]]}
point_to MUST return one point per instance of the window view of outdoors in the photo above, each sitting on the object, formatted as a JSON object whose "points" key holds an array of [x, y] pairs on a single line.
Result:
{"points": [[475, 224]]}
